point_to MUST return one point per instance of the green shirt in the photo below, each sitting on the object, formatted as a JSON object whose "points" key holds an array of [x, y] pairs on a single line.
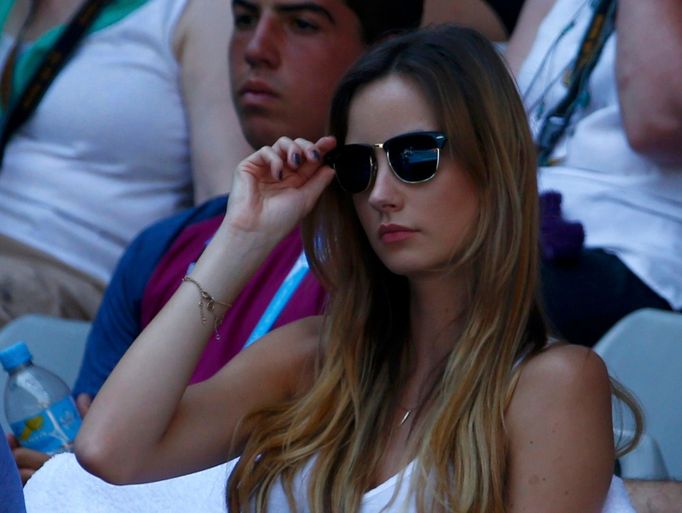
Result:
{"points": [[30, 59]]}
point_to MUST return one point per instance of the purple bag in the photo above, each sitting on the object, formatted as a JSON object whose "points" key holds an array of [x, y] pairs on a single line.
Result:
{"points": [[559, 239]]}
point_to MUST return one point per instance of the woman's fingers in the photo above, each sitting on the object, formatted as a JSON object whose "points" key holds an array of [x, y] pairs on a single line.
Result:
{"points": [[314, 151], [292, 152], [301, 158], [29, 459], [308, 149], [265, 165], [316, 184], [278, 184], [12, 441], [311, 156], [290, 161], [325, 144], [289, 152], [83, 401], [275, 161]]}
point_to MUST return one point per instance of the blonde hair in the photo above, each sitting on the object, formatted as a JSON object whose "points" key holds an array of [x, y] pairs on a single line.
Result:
{"points": [[342, 425]]}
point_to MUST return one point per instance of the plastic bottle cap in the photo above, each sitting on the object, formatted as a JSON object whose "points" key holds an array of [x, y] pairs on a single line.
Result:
{"points": [[15, 355]]}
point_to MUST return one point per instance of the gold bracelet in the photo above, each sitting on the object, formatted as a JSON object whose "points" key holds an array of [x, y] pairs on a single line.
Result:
{"points": [[207, 301]]}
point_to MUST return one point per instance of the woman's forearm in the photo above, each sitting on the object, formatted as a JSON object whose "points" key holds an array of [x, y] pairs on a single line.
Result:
{"points": [[144, 422], [133, 412]]}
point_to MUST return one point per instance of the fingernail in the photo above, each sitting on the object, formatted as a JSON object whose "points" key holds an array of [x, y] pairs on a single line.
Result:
{"points": [[296, 157], [316, 154]]}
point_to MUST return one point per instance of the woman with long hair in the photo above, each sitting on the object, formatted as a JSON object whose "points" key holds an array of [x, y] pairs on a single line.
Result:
{"points": [[429, 385]]}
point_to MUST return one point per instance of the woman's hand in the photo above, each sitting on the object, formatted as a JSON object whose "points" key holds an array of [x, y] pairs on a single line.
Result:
{"points": [[278, 185]]}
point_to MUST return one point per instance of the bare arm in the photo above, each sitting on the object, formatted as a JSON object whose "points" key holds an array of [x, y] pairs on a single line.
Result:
{"points": [[144, 424], [561, 452], [194, 428], [521, 41], [649, 73], [648, 70], [217, 144]]}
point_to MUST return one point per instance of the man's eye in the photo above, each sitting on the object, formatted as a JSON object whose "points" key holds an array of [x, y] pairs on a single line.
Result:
{"points": [[303, 25], [244, 21]]}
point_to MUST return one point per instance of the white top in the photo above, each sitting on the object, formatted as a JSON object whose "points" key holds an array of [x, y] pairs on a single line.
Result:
{"points": [[379, 499], [62, 486], [393, 495], [629, 206], [107, 150]]}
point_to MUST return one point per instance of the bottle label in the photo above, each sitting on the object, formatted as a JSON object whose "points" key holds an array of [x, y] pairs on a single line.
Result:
{"points": [[52, 430]]}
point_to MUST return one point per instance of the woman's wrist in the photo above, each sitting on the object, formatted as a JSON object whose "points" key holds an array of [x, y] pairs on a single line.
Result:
{"points": [[229, 261], [249, 247]]}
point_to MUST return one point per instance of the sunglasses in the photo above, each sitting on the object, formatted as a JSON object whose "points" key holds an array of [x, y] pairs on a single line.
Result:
{"points": [[413, 158]]}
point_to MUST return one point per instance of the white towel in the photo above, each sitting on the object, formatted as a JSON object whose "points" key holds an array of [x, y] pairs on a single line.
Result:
{"points": [[618, 500], [63, 486]]}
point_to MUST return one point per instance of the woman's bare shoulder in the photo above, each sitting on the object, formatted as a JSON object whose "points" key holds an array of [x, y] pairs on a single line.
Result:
{"points": [[562, 369], [563, 361], [559, 430], [564, 379]]}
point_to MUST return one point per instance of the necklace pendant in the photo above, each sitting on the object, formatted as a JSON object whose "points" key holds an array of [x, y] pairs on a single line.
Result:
{"points": [[405, 417]]}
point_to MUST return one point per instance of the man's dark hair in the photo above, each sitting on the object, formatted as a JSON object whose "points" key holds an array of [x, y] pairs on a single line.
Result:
{"points": [[380, 18]]}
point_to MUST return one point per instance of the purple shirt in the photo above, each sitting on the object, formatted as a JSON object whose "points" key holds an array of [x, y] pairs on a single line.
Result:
{"points": [[247, 309]]}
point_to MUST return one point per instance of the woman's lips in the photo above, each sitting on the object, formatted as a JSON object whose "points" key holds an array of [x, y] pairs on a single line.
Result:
{"points": [[395, 233]]}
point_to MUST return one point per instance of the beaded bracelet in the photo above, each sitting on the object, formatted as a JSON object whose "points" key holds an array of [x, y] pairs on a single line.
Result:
{"points": [[208, 302]]}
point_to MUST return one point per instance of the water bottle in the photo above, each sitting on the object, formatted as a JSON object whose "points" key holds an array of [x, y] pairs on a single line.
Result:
{"points": [[38, 404]]}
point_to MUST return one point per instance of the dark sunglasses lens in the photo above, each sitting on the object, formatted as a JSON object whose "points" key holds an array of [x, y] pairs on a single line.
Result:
{"points": [[353, 166], [414, 157]]}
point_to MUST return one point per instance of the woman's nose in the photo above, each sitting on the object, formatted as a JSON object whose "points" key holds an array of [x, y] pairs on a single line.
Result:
{"points": [[386, 191]]}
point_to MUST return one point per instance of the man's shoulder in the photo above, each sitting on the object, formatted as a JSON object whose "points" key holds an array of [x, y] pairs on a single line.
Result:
{"points": [[148, 248], [167, 229]]}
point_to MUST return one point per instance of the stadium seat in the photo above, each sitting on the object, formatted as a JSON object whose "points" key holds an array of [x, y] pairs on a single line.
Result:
{"points": [[644, 462], [643, 351], [56, 344]]}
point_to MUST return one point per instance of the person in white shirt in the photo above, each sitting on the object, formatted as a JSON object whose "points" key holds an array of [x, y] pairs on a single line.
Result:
{"points": [[618, 165], [136, 126]]}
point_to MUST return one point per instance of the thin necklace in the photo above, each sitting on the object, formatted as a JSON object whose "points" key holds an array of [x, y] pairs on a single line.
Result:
{"points": [[408, 412]]}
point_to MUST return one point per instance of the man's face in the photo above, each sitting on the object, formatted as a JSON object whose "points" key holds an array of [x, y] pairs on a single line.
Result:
{"points": [[286, 57]]}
